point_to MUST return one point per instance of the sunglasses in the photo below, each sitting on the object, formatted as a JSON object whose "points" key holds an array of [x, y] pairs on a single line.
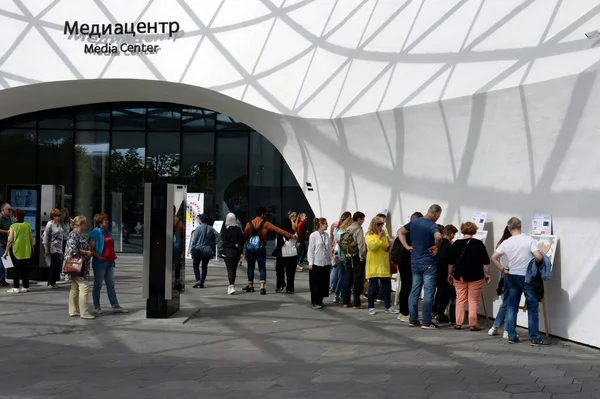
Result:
{"points": [[379, 224]]}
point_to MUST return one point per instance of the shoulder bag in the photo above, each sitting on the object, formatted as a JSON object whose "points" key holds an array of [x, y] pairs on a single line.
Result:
{"points": [[72, 266]]}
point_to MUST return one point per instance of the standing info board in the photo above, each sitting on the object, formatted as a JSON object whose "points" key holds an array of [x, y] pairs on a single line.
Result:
{"points": [[479, 219], [195, 207]]}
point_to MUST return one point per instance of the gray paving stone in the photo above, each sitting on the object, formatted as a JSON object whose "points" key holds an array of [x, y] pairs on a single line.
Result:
{"points": [[571, 396], [548, 373], [486, 388], [518, 379], [563, 388], [271, 346], [555, 381], [524, 388], [451, 395], [491, 395], [534, 395]]}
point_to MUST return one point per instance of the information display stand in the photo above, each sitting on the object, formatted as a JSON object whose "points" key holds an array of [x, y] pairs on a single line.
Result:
{"points": [[548, 245]]}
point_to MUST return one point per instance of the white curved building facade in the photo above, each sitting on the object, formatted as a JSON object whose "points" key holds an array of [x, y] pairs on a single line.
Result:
{"points": [[477, 105]]}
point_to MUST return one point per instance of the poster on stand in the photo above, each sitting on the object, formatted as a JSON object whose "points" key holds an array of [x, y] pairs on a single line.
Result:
{"points": [[481, 235], [541, 224], [479, 219], [195, 207]]}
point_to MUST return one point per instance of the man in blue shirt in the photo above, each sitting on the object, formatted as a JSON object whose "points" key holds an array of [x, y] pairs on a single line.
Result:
{"points": [[425, 241]]}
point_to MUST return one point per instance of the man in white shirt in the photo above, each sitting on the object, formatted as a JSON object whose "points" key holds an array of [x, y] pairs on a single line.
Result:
{"points": [[519, 250]]}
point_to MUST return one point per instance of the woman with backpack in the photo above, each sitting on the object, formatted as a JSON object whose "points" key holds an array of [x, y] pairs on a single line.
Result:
{"points": [[203, 242], [255, 235]]}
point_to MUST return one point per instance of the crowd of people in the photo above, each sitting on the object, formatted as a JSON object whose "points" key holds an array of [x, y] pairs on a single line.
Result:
{"points": [[345, 261], [63, 241], [342, 260]]}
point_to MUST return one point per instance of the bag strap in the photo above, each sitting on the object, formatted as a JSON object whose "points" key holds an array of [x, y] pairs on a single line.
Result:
{"points": [[462, 253], [260, 226]]}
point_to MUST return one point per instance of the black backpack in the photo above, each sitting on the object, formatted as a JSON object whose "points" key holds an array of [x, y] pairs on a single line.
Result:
{"points": [[396, 252]]}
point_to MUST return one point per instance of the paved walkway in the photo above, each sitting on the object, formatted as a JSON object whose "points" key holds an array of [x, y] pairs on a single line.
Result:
{"points": [[273, 346]]}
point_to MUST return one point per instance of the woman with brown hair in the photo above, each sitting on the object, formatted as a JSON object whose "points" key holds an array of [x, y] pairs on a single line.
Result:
{"points": [[319, 263], [20, 248], [53, 246], [78, 247], [468, 269]]}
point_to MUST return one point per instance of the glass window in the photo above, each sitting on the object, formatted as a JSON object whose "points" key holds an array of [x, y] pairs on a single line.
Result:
{"points": [[265, 179], [198, 119], [225, 122], [163, 153], [91, 176], [93, 117], [231, 190], [56, 119], [129, 119], [164, 118], [198, 166], [127, 159], [17, 154], [55, 155]]}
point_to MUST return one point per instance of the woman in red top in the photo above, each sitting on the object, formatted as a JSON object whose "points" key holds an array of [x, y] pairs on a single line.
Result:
{"points": [[103, 263], [302, 237]]}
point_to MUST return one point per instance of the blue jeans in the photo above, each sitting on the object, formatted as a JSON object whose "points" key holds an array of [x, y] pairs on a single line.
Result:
{"points": [[383, 284], [502, 311], [341, 272], [2, 269], [422, 275], [104, 272], [337, 276], [261, 259], [516, 287]]}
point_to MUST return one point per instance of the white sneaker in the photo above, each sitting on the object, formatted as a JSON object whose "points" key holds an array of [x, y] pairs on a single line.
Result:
{"points": [[392, 310], [372, 311], [87, 317], [231, 290], [74, 314], [505, 334], [13, 291], [24, 290], [493, 331]]}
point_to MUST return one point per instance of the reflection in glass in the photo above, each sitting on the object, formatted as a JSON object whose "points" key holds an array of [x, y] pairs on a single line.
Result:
{"points": [[55, 158], [162, 157], [18, 156], [91, 178], [129, 119], [231, 191], [198, 119], [265, 180], [128, 154], [179, 211], [164, 118], [93, 117], [198, 166]]}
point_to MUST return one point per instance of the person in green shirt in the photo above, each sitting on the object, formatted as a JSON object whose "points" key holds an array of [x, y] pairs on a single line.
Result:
{"points": [[20, 249]]}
